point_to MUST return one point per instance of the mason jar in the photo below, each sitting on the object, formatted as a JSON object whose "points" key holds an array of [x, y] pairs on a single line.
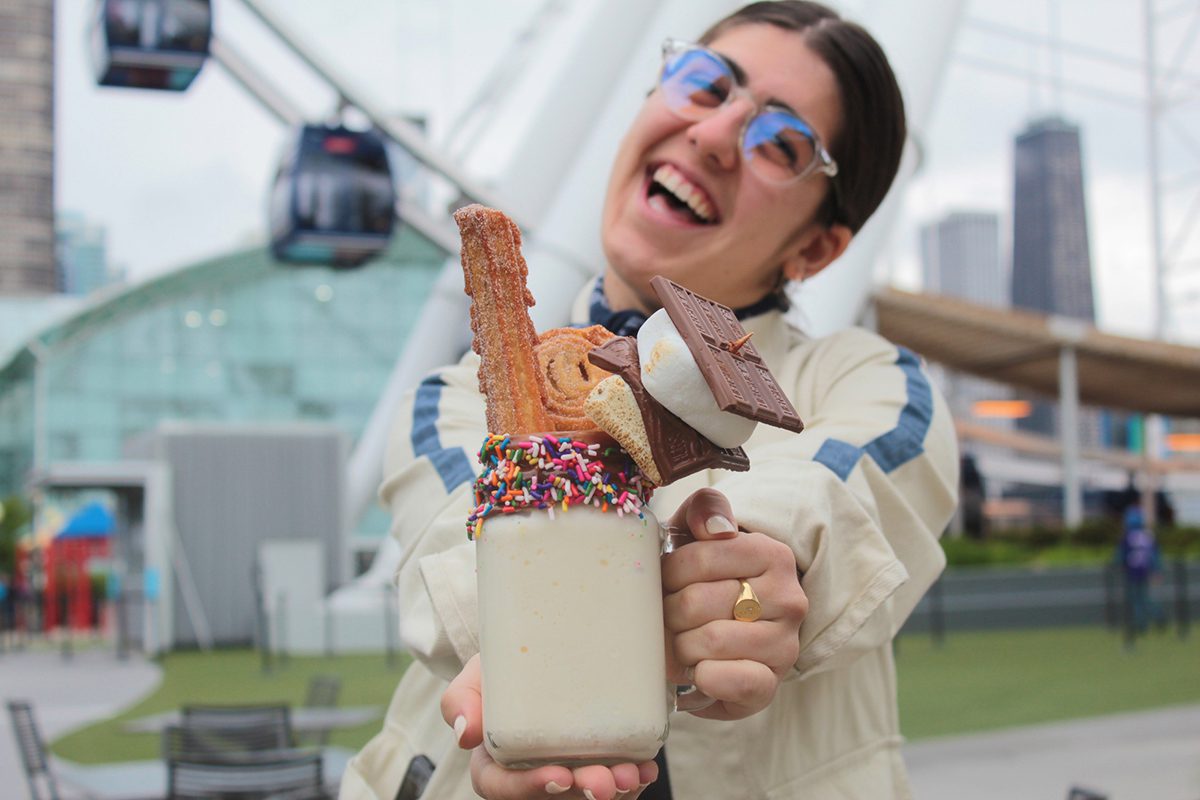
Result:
{"points": [[570, 604]]}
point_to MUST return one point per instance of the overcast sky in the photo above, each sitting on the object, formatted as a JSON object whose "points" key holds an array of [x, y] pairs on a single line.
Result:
{"points": [[178, 178]]}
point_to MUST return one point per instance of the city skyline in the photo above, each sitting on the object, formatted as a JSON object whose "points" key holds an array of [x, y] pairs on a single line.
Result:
{"points": [[207, 179]]}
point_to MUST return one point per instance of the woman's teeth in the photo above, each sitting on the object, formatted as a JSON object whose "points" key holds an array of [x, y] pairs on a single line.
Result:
{"points": [[684, 191]]}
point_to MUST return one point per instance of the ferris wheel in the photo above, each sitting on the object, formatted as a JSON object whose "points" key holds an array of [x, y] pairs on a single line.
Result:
{"points": [[332, 193], [333, 199]]}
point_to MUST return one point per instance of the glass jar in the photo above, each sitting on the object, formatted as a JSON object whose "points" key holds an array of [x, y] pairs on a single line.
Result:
{"points": [[570, 605]]}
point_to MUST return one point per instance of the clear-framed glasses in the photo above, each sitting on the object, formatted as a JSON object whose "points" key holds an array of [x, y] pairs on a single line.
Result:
{"points": [[778, 145]]}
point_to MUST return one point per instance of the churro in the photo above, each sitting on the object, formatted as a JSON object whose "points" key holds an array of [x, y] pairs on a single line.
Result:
{"points": [[504, 337], [568, 376]]}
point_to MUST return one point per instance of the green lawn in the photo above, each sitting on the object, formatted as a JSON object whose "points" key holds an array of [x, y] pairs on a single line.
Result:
{"points": [[974, 681], [981, 681], [236, 676]]}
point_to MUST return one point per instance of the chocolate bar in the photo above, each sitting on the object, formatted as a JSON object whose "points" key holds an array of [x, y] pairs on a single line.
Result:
{"points": [[678, 449], [732, 368]]}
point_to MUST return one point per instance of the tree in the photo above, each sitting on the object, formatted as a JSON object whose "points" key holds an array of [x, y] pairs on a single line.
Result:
{"points": [[15, 514]]}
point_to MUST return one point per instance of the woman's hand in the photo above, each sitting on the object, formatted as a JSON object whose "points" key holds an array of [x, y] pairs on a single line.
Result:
{"points": [[738, 664], [462, 708]]}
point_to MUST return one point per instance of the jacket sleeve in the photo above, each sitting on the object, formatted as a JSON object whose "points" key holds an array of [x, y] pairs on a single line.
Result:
{"points": [[861, 496], [429, 469]]}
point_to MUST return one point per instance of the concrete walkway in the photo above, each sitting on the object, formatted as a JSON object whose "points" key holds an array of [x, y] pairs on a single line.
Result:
{"points": [[66, 694], [1137, 756]]}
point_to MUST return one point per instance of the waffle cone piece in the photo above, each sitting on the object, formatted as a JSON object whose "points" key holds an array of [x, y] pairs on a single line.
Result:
{"points": [[495, 277], [568, 376]]}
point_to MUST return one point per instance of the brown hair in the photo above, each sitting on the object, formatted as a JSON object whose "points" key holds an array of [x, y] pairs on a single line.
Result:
{"points": [[867, 149]]}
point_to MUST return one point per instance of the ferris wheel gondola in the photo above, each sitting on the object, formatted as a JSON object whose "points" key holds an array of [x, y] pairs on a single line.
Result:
{"points": [[150, 44], [333, 200]]}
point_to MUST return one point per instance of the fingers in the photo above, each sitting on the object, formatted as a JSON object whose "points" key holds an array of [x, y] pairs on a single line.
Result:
{"points": [[741, 688], [494, 782], [462, 705], [747, 686], [745, 556], [647, 773], [623, 782], [706, 514], [700, 603], [774, 644]]}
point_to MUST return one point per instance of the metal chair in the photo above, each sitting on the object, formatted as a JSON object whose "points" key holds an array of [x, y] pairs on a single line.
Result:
{"points": [[33, 751], [323, 691], [279, 774], [236, 729], [45, 773]]}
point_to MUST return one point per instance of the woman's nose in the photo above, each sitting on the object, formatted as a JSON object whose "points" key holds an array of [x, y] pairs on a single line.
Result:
{"points": [[717, 137]]}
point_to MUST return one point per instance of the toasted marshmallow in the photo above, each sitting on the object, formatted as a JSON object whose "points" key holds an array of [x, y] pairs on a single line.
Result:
{"points": [[672, 377]]}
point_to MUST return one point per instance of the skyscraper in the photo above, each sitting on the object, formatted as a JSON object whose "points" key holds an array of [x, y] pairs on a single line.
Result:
{"points": [[27, 147], [960, 257], [82, 255], [1052, 268]]}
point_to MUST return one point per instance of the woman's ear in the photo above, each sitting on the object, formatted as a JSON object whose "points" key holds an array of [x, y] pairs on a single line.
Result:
{"points": [[818, 248]]}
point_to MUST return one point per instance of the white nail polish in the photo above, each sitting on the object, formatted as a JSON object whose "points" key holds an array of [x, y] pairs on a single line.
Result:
{"points": [[554, 788], [718, 524], [460, 727]]}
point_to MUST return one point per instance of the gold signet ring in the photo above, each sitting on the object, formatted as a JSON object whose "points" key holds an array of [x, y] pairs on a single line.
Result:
{"points": [[747, 608]]}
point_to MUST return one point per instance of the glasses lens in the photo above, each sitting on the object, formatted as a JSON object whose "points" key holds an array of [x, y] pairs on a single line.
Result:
{"points": [[694, 83], [779, 146]]}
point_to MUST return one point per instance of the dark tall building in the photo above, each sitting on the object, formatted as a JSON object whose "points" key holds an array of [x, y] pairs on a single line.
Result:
{"points": [[1052, 268], [27, 147]]}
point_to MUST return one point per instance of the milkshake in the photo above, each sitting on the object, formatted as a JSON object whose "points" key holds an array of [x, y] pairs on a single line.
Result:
{"points": [[570, 605], [572, 642]]}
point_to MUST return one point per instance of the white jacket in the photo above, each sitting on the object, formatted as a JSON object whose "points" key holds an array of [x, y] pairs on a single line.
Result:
{"points": [[861, 496]]}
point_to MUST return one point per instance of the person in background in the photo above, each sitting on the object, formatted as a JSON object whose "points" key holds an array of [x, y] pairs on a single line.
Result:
{"points": [[761, 152], [1140, 561]]}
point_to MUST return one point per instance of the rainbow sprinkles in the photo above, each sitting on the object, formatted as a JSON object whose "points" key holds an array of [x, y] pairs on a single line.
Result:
{"points": [[554, 472]]}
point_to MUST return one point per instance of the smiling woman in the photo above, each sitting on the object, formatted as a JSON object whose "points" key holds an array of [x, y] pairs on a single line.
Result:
{"points": [[749, 165], [765, 90]]}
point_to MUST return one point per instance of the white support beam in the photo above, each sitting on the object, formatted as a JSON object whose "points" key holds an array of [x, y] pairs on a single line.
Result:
{"points": [[1068, 403]]}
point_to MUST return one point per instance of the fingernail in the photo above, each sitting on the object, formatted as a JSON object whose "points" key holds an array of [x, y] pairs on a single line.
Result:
{"points": [[554, 788], [718, 524], [460, 727], [588, 794], [689, 674]]}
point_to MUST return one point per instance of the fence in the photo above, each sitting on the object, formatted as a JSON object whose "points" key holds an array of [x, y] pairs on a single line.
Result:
{"points": [[968, 599]]}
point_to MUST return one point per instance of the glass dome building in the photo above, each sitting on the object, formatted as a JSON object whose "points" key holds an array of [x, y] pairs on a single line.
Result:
{"points": [[239, 338]]}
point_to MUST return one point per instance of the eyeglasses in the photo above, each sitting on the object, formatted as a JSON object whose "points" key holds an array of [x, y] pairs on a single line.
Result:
{"points": [[777, 145]]}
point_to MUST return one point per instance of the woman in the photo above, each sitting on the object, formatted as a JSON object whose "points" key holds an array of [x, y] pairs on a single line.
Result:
{"points": [[754, 162]]}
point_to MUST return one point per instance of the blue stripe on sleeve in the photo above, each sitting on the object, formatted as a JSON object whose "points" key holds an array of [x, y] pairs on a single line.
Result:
{"points": [[839, 456], [451, 463], [902, 443]]}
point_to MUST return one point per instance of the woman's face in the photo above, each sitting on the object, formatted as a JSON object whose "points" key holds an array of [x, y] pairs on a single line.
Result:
{"points": [[754, 229]]}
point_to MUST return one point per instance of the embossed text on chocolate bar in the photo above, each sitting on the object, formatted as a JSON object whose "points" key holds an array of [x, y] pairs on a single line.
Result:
{"points": [[739, 380]]}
